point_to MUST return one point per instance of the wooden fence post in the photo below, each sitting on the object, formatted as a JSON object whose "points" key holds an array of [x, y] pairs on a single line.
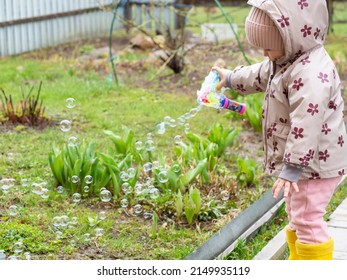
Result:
{"points": [[128, 17]]}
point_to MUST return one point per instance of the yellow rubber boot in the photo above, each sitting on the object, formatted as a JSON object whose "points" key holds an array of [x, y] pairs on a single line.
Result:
{"points": [[321, 251], [291, 238]]}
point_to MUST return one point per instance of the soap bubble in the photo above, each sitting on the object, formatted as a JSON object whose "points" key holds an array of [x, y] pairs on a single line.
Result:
{"points": [[45, 193], [105, 195], [147, 215], [88, 179], [124, 176], [224, 195], [72, 141], [167, 120], [73, 221], [124, 203], [138, 145], [160, 128], [172, 123], [181, 120], [86, 237], [59, 234], [25, 182], [70, 103], [99, 232], [37, 189], [193, 111], [2, 255], [65, 125], [147, 167], [178, 139], [149, 145], [138, 188], [64, 221], [60, 189], [13, 210], [76, 197], [149, 135], [131, 172], [163, 176], [187, 116], [102, 215], [56, 221], [176, 168], [86, 189], [186, 127], [18, 247], [137, 209], [75, 179], [154, 193], [126, 188], [6, 184], [27, 256]]}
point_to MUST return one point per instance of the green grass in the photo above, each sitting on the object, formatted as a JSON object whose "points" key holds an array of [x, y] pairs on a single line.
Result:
{"points": [[100, 106]]}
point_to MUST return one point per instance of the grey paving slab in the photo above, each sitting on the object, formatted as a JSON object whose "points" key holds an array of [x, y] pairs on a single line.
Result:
{"points": [[340, 238], [340, 255]]}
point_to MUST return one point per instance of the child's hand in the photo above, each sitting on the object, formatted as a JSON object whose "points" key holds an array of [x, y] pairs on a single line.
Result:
{"points": [[223, 75], [283, 184]]}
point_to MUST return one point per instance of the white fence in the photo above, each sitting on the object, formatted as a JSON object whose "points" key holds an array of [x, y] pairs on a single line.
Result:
{"points": [[27, 25]]}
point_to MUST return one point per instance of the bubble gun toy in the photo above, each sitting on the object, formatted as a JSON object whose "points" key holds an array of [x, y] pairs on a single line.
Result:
{"points": [[210, 97]]}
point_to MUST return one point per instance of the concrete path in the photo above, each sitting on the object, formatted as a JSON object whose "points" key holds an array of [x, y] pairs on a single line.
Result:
{"points": [[337, 226]]}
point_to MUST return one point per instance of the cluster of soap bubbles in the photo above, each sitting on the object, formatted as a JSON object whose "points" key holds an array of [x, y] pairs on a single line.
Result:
{"points": [[6, 184], [19, 252], [170, 122], [40, 189], [65, 125]]}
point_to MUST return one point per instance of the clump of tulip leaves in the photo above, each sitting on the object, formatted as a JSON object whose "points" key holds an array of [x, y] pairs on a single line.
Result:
{"points": [[186, 176]]}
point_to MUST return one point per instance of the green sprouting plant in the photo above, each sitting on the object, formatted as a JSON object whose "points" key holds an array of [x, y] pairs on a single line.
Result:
{"points": [[125, 145], [154, 232], [73, 163], [211, 147], [28, 111], [253, 113], [222, 137], [247, 171], [190, 204]]}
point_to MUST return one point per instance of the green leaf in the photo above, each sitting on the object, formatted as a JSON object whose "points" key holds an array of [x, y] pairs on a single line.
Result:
{"points": [[119, 143], [179, 204], [192, 174], [154, 225], [189, 208], [196, 198]]}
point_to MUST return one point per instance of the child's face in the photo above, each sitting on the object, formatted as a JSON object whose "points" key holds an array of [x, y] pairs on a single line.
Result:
{"points": [[273, 55]]}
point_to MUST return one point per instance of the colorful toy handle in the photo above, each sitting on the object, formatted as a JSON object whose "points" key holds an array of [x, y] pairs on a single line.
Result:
{"points": [[210, 97], [232, 105]]}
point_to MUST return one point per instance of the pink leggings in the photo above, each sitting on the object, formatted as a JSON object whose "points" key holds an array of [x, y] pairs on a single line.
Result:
{"points": [[306, 209]]}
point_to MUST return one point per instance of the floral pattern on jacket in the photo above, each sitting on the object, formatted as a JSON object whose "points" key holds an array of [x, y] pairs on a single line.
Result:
{"points": [[303, 104]]}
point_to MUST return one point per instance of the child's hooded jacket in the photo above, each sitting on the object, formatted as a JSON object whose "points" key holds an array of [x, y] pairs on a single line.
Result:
{"points": [[303, 104]]}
